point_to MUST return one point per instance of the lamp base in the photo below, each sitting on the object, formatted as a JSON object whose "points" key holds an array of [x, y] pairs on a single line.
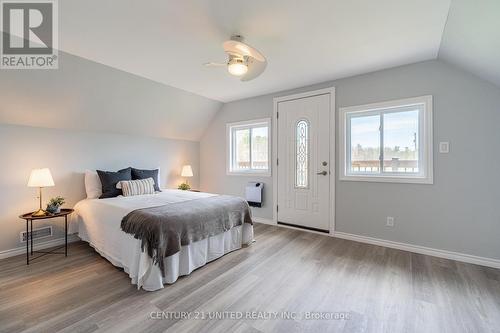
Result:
{"points": [[39, 212]]}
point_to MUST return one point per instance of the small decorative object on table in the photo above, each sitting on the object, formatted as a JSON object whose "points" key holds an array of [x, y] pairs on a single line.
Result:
{"points": [[184, 187], [186, 172], [54, 205]]}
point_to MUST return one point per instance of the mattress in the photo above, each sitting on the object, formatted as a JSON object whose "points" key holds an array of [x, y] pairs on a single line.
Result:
{"points": [[97, 221]]}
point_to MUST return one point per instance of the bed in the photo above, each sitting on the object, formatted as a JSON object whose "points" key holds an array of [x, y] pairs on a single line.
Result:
{"points": [[98, 222]]}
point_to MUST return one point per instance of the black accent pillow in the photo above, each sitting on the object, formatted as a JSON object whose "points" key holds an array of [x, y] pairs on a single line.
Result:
{"points": [[145, 174], [109, 179]]}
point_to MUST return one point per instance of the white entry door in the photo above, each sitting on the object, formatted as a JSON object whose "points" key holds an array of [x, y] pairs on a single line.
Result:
{"points": [[304, 162]]}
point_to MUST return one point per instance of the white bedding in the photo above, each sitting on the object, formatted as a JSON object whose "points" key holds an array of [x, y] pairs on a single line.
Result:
{"points": [[97, 222]]}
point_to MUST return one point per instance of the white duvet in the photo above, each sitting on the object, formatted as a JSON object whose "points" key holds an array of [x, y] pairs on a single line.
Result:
{"points": [[97, 222]]}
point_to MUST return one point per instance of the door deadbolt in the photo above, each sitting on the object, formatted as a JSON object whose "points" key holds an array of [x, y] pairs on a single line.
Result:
{"points": [[324, 163]]}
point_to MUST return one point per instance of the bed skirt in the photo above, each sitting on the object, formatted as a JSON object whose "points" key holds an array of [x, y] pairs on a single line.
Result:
{"points": [[139, 266]]}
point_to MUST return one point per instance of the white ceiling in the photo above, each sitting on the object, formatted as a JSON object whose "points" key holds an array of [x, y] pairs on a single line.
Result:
{"points": [[472, 37], [305, 41]]}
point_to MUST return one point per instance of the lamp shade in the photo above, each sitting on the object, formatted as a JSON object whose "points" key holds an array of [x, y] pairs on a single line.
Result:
{"points": [[40, 178], [187, 171]]}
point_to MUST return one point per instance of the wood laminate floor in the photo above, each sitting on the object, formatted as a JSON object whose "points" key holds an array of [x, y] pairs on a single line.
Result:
{"points": [[289, 272]]}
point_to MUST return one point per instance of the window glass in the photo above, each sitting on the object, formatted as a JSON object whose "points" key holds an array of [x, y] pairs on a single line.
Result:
{"points": [[242, 149], [302, 154], [260, 144], [401, 142], [365, 144]]}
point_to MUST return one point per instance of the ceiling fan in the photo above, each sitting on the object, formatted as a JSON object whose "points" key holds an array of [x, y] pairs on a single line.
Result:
{"points": [[243, 61]]}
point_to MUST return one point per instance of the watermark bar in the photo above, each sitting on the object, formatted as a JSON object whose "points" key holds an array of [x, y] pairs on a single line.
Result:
{"points": [[247, 315], [29, 34]]}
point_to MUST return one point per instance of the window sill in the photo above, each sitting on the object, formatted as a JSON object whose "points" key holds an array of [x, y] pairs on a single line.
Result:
{"points": [[249, 174], [388, 179]]}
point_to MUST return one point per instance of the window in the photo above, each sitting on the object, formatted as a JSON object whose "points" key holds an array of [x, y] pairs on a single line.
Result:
{"points": [[388, 142], [249, 147], [301, 154]]}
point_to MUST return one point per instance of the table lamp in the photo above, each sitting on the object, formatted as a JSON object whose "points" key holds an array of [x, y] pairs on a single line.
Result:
{"points": [[40, 178], [187, 172]]}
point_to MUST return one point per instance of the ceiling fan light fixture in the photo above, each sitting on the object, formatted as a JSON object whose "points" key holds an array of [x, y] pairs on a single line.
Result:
{"points": [[243, 61], [237, 67]]}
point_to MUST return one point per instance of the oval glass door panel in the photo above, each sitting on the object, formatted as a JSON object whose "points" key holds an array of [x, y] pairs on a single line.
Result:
{"points": [[302, 154]]}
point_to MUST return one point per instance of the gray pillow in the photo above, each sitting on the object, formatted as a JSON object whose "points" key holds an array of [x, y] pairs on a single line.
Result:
{"points": [[145, 174], [109, 179]]}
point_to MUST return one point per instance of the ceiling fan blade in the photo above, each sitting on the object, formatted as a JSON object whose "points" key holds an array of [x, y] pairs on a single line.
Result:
{"points": [[239, 48], [214, 64], [255, 68]]}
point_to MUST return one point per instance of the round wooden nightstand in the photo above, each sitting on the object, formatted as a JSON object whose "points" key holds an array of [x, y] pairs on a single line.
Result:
{"points": [[29, 220]]}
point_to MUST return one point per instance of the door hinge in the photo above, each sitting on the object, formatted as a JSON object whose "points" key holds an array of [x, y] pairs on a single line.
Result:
{"points": [[276, 208], [277, 161], [277, 115]]}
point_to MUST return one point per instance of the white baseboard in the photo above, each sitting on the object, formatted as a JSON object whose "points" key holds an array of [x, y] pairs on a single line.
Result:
{"points": [[263, 220], [468, 258], [37, 246], [495, 263]]}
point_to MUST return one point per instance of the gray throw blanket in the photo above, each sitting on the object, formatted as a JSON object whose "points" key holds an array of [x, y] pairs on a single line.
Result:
{"points": [[164, 229]]}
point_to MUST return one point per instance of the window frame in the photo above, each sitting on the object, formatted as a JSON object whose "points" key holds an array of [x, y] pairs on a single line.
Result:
{"points": [[425, 174], [241, 125]]}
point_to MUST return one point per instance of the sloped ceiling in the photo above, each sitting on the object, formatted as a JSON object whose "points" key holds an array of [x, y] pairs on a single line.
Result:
{"points": [[471, 39], [305, 41], [165, 43], [84, 95]]}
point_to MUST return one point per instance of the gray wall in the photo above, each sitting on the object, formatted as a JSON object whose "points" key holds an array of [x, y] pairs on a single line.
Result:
{"points": [[88, 116], [67, 153], [459, 212]]}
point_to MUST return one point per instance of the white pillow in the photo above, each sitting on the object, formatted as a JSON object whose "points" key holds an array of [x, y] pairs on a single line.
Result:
{"points": [[138, 187], [158, 181], [93, 185]]}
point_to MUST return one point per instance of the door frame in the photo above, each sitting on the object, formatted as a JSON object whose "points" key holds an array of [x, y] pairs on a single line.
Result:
{"points": [[332, 138]]}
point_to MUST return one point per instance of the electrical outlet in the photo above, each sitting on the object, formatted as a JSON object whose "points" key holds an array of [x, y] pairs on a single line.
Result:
{"points": [[444, 147], [390, 221]]}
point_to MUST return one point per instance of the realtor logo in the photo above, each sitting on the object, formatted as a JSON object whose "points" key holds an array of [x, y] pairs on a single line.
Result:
{"points": [[29, 34]]}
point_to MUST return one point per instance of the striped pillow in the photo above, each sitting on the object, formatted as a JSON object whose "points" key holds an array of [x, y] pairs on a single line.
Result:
{"points": [[138, 187]]}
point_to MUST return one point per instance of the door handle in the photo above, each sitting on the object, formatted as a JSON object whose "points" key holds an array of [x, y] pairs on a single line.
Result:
{"points": [[323, 173]]}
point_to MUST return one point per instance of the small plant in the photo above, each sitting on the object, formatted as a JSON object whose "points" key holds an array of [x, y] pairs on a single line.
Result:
{"points": [[184, 187], [54, 205], [57, 201]]}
